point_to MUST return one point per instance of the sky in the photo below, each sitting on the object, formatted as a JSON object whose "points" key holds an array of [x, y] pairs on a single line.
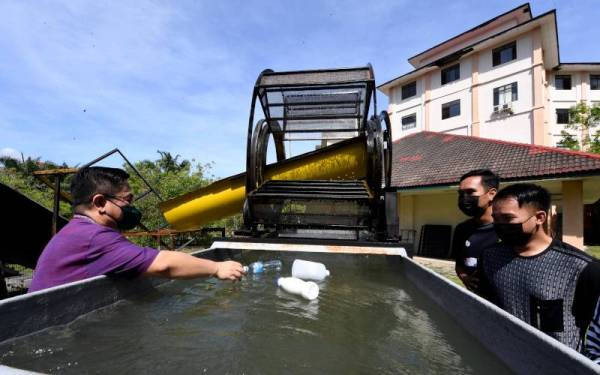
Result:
{"points": [[80, 78]]}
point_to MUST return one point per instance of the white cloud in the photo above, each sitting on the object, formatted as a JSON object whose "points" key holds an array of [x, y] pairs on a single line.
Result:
{"points": [[8, 152]]}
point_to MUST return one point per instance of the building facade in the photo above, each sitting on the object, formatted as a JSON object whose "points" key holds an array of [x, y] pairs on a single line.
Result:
{"points": [[427, 166], [501, 80]]}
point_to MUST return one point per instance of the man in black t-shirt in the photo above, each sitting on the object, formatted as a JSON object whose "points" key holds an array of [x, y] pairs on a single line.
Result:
{"points": [[475, 194], [543, 281]]}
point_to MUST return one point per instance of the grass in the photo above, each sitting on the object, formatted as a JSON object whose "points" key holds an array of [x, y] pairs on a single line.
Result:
{"points": [[594, 251]]}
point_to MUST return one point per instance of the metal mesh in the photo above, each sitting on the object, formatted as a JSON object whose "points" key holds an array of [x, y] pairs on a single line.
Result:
{"points": [[316, 212], [316, 103], [309, 203], [316, 77], [299, 106]]}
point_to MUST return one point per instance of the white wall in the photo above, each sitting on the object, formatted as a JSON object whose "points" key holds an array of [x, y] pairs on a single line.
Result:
{"points": [[568, 98], [457, 90], [396, 120], [488, 72], [399, 108], [517, 127], [514, 128], [565, 95], [468, 42], [436, 208], [593, 95]]}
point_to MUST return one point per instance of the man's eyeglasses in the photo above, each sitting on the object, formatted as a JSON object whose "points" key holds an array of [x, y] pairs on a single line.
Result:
{"points": [[128, 199]]}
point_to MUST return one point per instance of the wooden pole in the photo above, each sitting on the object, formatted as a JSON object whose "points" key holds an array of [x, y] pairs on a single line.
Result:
{"points": [[56, 210]]}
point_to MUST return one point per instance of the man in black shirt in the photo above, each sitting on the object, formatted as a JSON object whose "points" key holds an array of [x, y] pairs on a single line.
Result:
{"points": [[540, 280], [475, 194]]}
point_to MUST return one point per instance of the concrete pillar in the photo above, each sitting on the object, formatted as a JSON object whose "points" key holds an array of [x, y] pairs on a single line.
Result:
{"points": [[572, 220], [475, 131], [426, 107], [584, 86], [539, 125]]}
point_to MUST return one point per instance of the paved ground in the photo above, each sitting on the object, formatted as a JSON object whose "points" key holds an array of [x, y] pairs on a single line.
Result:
{"points": [[443, 267]]}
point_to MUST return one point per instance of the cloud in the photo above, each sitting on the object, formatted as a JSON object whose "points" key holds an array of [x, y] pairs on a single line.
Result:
{"points": [[8, 152], [80, 78]]}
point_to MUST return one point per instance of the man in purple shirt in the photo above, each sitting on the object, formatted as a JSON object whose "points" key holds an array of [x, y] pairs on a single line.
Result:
{"points": [[91, 244]]}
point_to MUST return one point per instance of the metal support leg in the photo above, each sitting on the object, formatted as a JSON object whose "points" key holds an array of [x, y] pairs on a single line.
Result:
{"points": [[56, 210]]}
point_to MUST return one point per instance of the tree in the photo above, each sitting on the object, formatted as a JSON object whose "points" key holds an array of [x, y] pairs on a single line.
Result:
{"points": [[168, 175], [583, 120], [18, 174], [168, 163], [170, 178]]}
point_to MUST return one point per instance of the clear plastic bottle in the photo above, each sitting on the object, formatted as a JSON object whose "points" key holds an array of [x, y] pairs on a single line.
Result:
{"points": [[259, 267]]}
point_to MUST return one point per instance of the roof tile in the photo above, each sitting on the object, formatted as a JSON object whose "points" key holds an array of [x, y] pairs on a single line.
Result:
{"points": [[430, 158]]}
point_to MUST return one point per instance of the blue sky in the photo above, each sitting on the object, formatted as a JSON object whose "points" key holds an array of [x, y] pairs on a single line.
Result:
{"points": [[79, 78]]}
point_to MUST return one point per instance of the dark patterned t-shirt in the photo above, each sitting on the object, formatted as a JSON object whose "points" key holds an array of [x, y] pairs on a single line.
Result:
{"points": [[540, 289]]}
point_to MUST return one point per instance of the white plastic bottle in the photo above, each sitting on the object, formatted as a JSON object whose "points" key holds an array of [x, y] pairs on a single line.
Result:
{"points": [[305, 270], [306, 289]]}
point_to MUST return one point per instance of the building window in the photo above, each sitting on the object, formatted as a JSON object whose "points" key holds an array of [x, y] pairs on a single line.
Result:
{"points": [[562, 82], [506, 94], [451, 73], [409, 122], [451, 109], [562, 116], [504, 54], [409, 90], [594, 82]]}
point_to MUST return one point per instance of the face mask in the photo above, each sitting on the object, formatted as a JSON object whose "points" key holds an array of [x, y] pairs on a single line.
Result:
{"points": [[513, 234], [131, 217], [469, 205]]}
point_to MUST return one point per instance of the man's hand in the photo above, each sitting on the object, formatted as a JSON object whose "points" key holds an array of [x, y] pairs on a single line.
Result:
{"points": [[470, 281], [229, 270]]}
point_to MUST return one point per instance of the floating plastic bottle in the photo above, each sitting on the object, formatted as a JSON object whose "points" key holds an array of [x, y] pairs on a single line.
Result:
{"points": [[293, 285], [259, 267], [305, 270]]}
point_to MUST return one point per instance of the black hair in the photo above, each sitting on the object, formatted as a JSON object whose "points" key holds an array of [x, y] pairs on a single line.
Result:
{"points": [[96, 180], [530, 194], [488, 178]]}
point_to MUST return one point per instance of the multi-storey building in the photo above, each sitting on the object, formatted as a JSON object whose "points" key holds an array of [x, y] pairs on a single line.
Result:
{"points": [[503, 79]]}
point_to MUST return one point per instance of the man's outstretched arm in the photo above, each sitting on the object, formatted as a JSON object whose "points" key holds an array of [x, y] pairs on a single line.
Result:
{"points": [[177, 265]]}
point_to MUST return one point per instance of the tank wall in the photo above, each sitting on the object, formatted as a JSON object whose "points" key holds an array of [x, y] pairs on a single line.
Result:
{"points": [[523, 348]]}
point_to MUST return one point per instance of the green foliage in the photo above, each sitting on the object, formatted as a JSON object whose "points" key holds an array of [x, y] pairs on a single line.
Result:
{"points": [[168, 175], [18, 174], [583, 119], [595, 143], [569, 141], [170, 178]]}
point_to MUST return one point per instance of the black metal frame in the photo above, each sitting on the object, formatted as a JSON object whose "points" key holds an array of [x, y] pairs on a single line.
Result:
{"points": [[141, 196], [117, 151], [374, 131]]}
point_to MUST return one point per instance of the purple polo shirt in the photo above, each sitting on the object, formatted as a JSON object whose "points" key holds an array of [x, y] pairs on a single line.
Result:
{"points": [[84, 249]]}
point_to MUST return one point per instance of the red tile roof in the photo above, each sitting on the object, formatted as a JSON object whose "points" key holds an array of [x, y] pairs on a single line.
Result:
{"points": [[430, 159]]}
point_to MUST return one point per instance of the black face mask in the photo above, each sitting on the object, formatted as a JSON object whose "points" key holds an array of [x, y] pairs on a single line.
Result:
{"points": [[469, 205], [513, 234], [131, 217]]}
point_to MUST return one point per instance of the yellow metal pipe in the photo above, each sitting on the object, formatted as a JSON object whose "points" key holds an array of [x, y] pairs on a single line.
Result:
{"points": [[223, 198]]}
